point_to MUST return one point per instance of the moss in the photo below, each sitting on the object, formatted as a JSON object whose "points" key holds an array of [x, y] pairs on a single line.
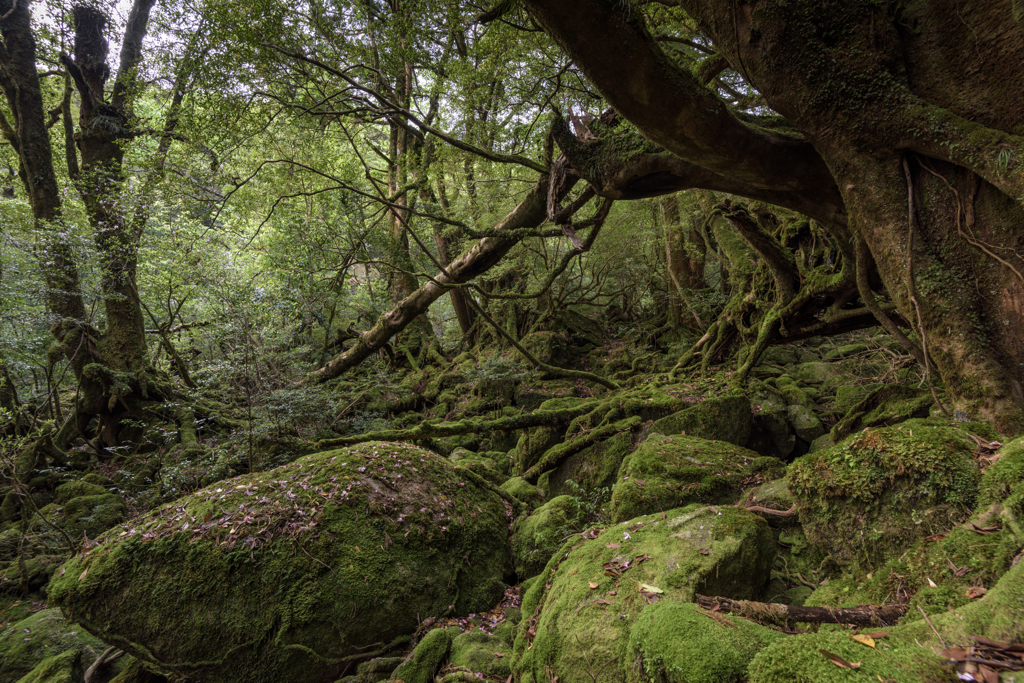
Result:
{"points": [[717, 419], [676, 642], [886, 406], [1004, 480], [92, 515], [937, 600], [671, 471], [63, 668], [45, 634], [537, 537], [280, 575], [426, 659], [76, 489], [869, 497], [573, 627], [481, 652], [593, 468], [524, 491]]}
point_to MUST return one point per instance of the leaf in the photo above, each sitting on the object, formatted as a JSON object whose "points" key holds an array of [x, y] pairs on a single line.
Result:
{"points": [[602, 601], [82, 575], [864, 639], [839, 661], [932, 583], [650, 589], [593, 585], [613, 545], [976, 592], [877, 634]]}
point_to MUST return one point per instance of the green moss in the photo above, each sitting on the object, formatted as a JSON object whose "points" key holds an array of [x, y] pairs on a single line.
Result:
{"points": [[480, 652], [537, 537], [886, 406], [675, 642], [593, 468], [573, 627], [426, 659], [76, 489], [92, 515], [671, 471], [63, 668], [869, 497], [280, 575], [43, 635], [717, 419], [524, 491], [1004, 480]]}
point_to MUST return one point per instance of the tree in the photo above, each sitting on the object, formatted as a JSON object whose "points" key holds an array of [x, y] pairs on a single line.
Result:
{"points": [[892, 126]]}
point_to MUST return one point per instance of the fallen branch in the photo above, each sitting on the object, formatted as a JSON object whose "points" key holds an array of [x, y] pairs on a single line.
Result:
{"points": [[777, 513], [783, 614]]}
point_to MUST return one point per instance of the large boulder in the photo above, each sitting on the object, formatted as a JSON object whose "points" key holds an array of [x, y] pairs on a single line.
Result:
{"points": [[672, 471], [594, 589], [535, 538], [884, 407], [869, 497], [278, 576], [716, 419]]}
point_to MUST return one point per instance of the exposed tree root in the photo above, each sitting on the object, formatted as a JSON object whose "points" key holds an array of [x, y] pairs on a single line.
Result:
{"points": [[779, 614]]}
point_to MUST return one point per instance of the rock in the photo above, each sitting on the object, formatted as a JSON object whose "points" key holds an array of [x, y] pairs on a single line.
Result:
{"points": [[1003, 481], [872, 495], [814, 373], [845, 351], [676, 642], [849, 396], [592, 468], [883, 407], [76, 489], [426, 659], [45, 635], [530, 395], [668, 472], [823, 441], [716, 419], [293, 569], [573, 628], [774, 495], [780, 355], [63, 668], [481, 652], [771, 434], [524, 491], [793, 394], [537, 537], [92, 515], [805, 423]]}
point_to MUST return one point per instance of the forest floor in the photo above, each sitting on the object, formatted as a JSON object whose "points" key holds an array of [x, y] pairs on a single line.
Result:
{"points": [[827, 521]]}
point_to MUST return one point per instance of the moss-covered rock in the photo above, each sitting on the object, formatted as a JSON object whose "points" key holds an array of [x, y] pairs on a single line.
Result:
{"points": [[717, 419], [481, 652], [677, 642], [1003, 481], [792, 393], [872, 495], [884, 407], [92, 515], [63, 668], [280, 575], [539, 536], [76, 489], [771, 434], [806, 424], [426, 659], [593, 468], [774, 495], [523, 490], [575, 628], [667, 472], [46, 634], [817, 372]]}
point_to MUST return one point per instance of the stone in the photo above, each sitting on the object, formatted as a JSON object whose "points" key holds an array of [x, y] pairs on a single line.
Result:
{"points": [[280, 575], [668, 472], [716, 419], [805, 424], [537, 537], [574, 628]]}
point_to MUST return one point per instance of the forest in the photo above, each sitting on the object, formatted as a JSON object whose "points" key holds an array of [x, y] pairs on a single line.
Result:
{"points": [[522, 341]]}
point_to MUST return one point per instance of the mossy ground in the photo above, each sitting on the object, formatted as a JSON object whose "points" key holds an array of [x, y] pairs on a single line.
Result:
{"points": [[281, 575]]}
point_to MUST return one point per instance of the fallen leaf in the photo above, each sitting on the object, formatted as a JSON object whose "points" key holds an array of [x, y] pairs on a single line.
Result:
{"points": [[613, 545], [976, 592], [613, 592], [82, 575], [593, 585], [864, 639], [877, 634], [704, 551], [650, 589], [839, 661], [932, 583], [602, 601]]}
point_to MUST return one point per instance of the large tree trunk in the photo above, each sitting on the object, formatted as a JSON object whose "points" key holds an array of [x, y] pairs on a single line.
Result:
{"points": [[936, 85]]}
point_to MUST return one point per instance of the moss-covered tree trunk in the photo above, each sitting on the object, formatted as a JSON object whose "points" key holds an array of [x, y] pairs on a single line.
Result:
{"points": [[863, 88]]}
